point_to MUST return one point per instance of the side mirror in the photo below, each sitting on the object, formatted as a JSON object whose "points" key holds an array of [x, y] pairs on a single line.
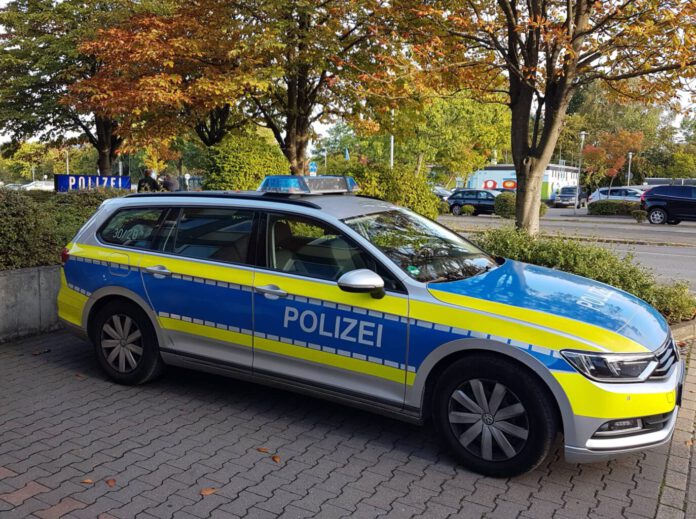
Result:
{"points": [[362, 281]]}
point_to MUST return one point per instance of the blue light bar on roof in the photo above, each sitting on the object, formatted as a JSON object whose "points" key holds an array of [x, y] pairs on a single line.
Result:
{"points": [[295, 184]]}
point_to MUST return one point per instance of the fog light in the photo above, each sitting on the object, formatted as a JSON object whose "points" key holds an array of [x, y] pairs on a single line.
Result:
{"points": [[617, 427]]}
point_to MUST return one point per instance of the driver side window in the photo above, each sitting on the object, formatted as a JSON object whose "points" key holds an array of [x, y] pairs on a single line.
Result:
{"points": [[307, 247]]}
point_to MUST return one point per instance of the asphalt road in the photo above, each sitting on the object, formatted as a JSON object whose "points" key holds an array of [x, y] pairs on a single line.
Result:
{"points": [[564, 222], [669, 250]]}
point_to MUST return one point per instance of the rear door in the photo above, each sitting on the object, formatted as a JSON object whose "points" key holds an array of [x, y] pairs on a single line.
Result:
{"points": [[680, 201], [199, 282], [307, 329], [485, 201]]}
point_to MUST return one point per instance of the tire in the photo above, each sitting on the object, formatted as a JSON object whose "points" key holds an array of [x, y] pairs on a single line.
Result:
{"points": [[673, 222], [657, 216], [528, 436], [456, 210], [125, 343]]}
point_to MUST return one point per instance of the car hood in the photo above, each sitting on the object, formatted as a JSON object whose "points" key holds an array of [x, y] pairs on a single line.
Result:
{"points": [[530, 287]]}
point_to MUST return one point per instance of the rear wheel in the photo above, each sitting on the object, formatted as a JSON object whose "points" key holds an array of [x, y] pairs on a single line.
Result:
{"points": [[456, 210], [673, 222], [125, 343], [657, 216], [496, 417]]}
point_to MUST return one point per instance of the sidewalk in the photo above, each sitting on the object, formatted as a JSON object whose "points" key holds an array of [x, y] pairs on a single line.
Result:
{"points": [[73, 444]]}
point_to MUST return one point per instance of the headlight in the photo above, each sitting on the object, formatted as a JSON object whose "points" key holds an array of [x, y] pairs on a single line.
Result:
{"points": [[612, 367]]}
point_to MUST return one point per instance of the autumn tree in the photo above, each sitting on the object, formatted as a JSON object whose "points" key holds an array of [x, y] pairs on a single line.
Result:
{"points": [[211, 64], [539, 52], [40, 59], [607, 157]]}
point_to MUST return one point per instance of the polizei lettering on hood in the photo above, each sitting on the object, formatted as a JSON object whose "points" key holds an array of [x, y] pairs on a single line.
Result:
{"points": [[343, 328]]}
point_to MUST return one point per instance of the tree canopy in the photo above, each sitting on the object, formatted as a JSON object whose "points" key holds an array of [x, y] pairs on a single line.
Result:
{"points": [[538, 52]]}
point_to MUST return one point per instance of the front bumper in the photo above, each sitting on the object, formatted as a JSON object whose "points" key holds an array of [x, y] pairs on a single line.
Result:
{"points": [[583, 447]]}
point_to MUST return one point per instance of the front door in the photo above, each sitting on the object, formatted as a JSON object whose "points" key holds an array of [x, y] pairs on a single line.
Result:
{"points": [[307, 329], [199, 283]]}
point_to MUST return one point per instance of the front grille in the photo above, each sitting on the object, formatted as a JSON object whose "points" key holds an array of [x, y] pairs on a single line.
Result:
{"points": [[667, 359]]}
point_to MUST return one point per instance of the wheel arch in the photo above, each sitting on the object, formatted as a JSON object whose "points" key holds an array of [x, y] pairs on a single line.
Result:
{"points": [[420, 394], [106, 295]]}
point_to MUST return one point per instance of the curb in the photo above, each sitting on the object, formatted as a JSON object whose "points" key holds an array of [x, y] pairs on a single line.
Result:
{"points": [[684, 331], [589, 238]]}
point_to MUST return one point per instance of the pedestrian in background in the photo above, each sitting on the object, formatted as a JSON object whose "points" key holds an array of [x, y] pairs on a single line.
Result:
{"points": [[170, 183], [149, 182]]}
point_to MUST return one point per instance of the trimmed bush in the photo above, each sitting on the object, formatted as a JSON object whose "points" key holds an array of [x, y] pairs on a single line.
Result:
{"points": [[468, 210], [612, 208], [505, 203], [443, 207], [241, 161], [674, 300], [639, 215], [35, 228]]}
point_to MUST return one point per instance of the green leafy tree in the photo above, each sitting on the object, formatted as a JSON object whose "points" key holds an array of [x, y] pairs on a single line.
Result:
{"points": [[39, 59]]}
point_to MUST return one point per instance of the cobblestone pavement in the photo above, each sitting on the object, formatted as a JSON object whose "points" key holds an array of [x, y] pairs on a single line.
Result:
{"points": [[73, 444]]}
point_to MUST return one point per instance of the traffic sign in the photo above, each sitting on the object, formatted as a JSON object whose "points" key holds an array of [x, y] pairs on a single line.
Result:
{"points": [[313, 168]]}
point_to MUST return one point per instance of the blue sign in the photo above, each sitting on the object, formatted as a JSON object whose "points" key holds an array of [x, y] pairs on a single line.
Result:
{"points": [[312, 168], [65, 183]]}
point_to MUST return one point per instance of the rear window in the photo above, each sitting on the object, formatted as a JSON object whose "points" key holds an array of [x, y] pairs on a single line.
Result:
{"points": [[132, 227], [677, 191]]}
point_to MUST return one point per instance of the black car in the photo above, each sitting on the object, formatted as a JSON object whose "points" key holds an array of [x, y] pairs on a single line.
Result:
{"points": [[669, 204], [482, 200]]}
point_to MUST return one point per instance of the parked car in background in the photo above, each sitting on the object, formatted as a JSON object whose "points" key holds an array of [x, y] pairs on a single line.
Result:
{"points": [[482, 200], [669, 204], [629, 194], [13, 187], [441, 192], [566, 197]]}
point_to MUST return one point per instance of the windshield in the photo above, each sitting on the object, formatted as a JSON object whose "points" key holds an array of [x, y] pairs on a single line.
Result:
{"points": [[423, 249], [567, 190]]}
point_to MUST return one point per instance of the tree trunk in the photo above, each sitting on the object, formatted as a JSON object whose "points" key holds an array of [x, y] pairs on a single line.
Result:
{"points": [[528, 198], [107, 144]]}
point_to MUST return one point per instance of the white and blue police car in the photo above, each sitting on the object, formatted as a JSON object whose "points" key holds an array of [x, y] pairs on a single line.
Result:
{"points": [[308, 286]]}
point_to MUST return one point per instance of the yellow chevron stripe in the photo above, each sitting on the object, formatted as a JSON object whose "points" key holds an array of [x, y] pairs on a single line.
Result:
{"points": [[70, 302], [205, 331]]}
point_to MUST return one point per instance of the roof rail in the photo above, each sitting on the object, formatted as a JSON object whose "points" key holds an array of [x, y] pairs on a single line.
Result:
{"points": [[249, 195]]}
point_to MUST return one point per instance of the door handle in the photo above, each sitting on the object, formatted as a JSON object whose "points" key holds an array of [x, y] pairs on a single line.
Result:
{"points": [[272, 291], [159, 271]]}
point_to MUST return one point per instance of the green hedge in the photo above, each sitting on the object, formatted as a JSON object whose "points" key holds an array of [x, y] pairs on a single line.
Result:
{"points": [[612, 208], [35, 228], [505, 202], [674, 300]]}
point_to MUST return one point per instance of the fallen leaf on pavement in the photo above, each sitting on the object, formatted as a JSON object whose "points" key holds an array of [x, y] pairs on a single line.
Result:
{"points": [[111, 482], [208, 491], [40, 352], [262, 449], [87, 481], [80, 376], [276, 458]]}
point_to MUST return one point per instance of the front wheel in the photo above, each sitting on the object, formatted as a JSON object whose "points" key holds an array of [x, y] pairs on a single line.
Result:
{"points": [[496, 417], [125, 344], [657, 216], [456, 210]]}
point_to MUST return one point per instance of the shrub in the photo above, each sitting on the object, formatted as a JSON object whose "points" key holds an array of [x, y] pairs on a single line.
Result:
{"points": [[612, 208], [400, 185], [675, 301], [639, 215], [468, 210], [443, 207], [241, 161], [33, 232], [505, 203]]}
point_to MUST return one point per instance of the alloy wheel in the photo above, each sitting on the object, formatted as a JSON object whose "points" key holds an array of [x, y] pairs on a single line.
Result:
{"points": [[488, 419], [657, 216], [121, 343]]}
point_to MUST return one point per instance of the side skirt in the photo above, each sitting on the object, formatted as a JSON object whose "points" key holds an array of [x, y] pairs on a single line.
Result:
{"points": [[409, 415]]}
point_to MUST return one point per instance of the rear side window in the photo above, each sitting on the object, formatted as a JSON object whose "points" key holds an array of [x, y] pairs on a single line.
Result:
{"points": [[132, 227], [216, 234]]}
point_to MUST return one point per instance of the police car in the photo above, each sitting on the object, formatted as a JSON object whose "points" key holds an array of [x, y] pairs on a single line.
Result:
{"points": [[363, 302]]}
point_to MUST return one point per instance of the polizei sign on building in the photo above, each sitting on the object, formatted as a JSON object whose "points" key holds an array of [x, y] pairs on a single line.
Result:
{"points": [[74, 182]]}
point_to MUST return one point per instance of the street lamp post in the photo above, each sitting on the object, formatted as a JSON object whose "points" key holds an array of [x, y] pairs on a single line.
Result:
{"points": [[391, 143], [630, 156], [583, 134]]}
